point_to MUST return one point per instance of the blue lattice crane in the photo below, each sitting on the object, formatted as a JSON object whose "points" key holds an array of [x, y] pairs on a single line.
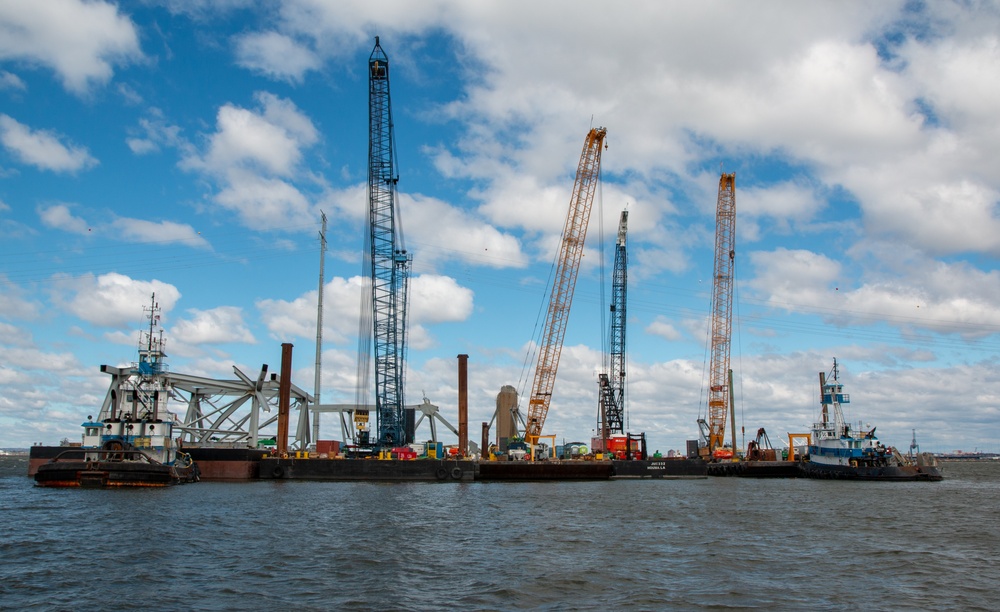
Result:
{"points": [[613, 382], [390, 263]]}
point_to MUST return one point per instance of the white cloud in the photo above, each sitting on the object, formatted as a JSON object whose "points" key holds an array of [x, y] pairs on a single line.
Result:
{"points": [[269, 139], [219, 325], [9, 80], [433, 299], [443, 232], [788, 277], [254, 156], [41, 148], [926, 295], [156, 132], [663, 328], [297, 319], [275, 55], [162, 232], [16, 304], [205, 9], [112, 300], [784, 207], [264, 203], [81, 41], [438, 299], [58, 216]]}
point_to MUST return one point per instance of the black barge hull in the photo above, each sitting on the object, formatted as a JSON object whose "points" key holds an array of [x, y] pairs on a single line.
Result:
{"points": [[660, 468], [756, 469], [387, 470], [545, 470]]}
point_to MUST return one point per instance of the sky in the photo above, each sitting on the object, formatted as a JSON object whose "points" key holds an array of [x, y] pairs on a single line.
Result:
{"points": [[189, 148]]}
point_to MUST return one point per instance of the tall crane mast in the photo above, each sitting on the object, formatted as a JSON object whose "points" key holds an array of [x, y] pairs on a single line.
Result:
{"points": [[571, 250], [722, 316], [613, 383], [390, 264]]}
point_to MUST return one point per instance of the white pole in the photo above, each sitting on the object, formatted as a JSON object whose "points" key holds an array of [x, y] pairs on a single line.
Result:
{"points": [[319, 329]]}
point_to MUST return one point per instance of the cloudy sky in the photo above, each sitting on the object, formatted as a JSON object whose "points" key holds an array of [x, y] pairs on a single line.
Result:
{"points": [[188, 148]]}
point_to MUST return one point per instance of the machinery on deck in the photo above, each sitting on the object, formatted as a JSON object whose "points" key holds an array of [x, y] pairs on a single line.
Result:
{"points": [[571, 250], [760, 449], [390, 264], [720, 376]]}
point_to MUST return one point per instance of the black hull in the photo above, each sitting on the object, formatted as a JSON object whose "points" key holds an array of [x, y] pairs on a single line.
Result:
{"points": [[659, 468], [888, 473], [390, 470], [104, 474], [90, 468], [756, 469], [545, 470]]}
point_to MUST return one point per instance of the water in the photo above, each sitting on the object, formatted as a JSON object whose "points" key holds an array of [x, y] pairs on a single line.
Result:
{"points": [[720, 543]]}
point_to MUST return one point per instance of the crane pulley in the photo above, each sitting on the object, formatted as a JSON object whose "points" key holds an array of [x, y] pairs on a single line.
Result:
{"points": [[571, 250]]}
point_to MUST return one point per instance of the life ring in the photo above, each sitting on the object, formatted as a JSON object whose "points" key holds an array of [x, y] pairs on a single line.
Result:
{"points": [[278, 471], [854, 463], [115, 446], [456, 473], [441, 473]]}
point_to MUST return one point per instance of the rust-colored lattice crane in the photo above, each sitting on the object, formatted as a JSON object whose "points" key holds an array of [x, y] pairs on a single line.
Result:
{"points": [[571, 250], [719, 393]]}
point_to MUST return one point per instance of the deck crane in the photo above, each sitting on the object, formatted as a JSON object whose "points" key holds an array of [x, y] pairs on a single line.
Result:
{"points": [[612, 383], [568, 265], [720, 381], [390, 264]]}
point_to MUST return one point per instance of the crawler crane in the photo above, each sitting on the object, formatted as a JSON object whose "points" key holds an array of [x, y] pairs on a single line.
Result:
{"points": [[571, 250], [720, 381], [612, 383], [390, 264]]}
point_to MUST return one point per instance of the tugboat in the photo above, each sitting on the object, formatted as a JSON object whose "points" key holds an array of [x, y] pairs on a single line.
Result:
{"points": [[837, 451], [131, 442]]}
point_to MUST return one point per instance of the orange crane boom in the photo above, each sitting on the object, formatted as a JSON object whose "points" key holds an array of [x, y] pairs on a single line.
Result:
{"points": [[571, 250], [722, 311]]}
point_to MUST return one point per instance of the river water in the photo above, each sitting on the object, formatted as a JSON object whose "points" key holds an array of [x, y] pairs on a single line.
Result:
{"points": [[719, 543]]}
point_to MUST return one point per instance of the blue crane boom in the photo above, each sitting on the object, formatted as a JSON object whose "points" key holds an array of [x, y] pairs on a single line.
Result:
{"points": [[390, 264], [613, 383]]}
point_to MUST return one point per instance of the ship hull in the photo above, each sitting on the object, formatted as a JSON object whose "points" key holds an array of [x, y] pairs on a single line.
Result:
{"points": [[226, 463], [756, 469], [545, 470], [103, 474], [811, 469], [213, 463], [659, 468], [387, 470]]}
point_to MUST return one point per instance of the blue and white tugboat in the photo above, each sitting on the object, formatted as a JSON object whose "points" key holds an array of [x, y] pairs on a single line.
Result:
{"points": [[131, 443], [838, 451]]}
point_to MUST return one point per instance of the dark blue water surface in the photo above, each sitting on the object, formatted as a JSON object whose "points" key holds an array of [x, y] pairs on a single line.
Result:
{"points": [[721, 543]]}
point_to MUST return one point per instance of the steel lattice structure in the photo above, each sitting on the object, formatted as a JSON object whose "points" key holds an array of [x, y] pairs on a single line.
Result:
{"points": [[571, 250], [614, 407], [722, 316], [389, 264]]}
